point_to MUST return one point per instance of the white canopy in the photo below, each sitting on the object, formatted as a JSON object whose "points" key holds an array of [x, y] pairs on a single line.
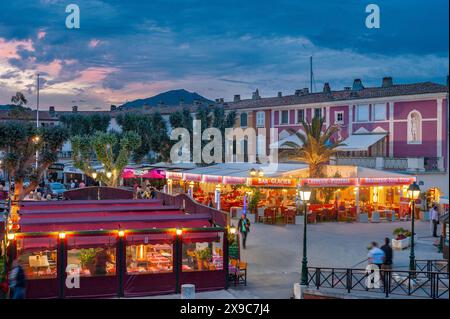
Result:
{"points": [[360, 142]]}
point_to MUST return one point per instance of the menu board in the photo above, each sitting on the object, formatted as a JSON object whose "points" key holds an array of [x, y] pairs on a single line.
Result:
{"points": [[233, 250]]}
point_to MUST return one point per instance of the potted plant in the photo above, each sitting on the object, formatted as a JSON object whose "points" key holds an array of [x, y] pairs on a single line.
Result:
{"points": [[402, 238], [203, 256], [87, 259]]}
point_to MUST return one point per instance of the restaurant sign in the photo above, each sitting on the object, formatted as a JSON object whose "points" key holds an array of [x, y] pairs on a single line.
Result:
{"points": [[174, 175], [192, 177], [386, 181], [329, 182], [273, 182], [233, 180], [212, 179]]}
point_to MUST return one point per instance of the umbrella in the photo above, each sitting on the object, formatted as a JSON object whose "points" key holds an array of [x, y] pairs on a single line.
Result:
{"points": [[128, 173], [152, 174]]}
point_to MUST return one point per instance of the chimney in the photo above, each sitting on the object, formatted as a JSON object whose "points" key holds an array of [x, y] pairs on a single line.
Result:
{"points": [[51, 110], [387, 82], [326, 88], [357, 85], [280, 94], [297, 92], [347, 88], [113, 108], [305, 91], [74, 108], [217, 100], [222, 100], [256, 95], [237, 98]]}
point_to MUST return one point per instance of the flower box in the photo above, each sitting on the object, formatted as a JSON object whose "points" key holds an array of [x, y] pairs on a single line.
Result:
{"points": [[402, 243], [299, 219], [425, 216], [363, 218]]}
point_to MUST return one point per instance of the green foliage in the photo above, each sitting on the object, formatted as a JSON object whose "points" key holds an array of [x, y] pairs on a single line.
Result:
{"points": [[401, 231], [19, 145], [87, 256], [81, 124], [317, 146], [204, 254], [112, 149], [254, 200]]}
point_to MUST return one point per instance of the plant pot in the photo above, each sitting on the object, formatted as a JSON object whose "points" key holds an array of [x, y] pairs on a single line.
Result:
{"points": [[299, 220], [402, 243], [200, 264], [363, 218]]}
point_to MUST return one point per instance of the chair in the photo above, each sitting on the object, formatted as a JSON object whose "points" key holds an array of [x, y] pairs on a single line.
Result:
{"points": [[269, 215], [375, 217], [242, 273], [261, 216]]}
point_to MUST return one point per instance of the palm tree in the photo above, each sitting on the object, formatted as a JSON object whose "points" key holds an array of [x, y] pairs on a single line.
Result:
{"points": [[317, 148]]}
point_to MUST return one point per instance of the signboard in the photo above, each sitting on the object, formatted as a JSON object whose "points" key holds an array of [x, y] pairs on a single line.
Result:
{"points": [[233, 249], [329, 182], [192, 177], [56, 167], [273, 182], [387, 181], [212, 179], [174, 175], [231, 180]]}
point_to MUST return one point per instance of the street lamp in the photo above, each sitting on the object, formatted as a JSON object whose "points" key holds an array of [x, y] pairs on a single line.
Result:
{"points": [[413, 194], [109, 174], [94, 175], [253, 172], [305, 194]]}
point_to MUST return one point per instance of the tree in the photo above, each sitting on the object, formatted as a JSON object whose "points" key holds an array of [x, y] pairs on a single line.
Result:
{"points": [[112, 149], [160, 139], [18, 110], [318, 146], [80, 124], [19, 142]]}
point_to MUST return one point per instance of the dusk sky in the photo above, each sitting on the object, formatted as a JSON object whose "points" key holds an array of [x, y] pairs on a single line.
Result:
{"points": [[135, 49]]}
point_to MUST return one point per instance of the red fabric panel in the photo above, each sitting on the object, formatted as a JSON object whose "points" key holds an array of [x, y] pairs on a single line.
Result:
{"points": [[149, 284], [201, 237], [90, 241], [42, 288], [115, 225], [98, 214], [94, 287], [35, 243], [151, 238]]}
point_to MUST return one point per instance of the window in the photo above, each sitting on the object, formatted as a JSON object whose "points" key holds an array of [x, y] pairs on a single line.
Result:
{"points": [[300, 116], [244, 120], [149, 258], [379, 111], [362, 113], [202, 256], [284, 117], [318, 113], [260, 119], [339, 117], [37, 263], [414, 128], [98, 260]]}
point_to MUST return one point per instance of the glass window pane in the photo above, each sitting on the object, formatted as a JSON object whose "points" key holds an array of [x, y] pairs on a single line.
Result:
{"points": [[300, 116], [94, 260], [149, 258], [380, 112], [362, 113], [39, 262], [244, 119], [284, 117], [203, 256], [318, 113]]}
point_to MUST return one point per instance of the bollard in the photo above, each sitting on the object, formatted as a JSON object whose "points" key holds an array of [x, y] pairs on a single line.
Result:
{"points": [[298, 291], [187, 291]]}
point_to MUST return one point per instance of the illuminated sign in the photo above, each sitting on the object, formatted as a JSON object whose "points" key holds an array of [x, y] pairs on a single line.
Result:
{"points": [[212, 179], [192, 177], [386, 181], [174, 175], [329, 182], [232, 180], [273, 182]]}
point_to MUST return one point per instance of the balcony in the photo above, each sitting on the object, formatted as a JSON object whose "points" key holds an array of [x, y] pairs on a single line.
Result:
{"points": [[410, 164], [64, 155]]}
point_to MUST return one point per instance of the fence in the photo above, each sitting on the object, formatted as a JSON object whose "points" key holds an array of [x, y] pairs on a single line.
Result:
{"points": [[440, 266], [421, 284]]}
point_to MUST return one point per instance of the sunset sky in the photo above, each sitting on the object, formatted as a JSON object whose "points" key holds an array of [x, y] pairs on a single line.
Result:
{"points": [[134, 49]]}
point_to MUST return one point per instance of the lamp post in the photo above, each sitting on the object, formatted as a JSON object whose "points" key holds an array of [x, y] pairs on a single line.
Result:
{"points": [[305, 194], [413, 194]]}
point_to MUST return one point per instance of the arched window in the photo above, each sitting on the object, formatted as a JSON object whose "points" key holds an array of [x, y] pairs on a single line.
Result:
{"points": [[414, 127], [244, 120]]}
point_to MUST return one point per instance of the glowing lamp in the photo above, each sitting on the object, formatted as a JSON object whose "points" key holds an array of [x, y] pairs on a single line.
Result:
{"points": [[62, 235], [305, 193], [109, 174], [253, 172], [94, 175], [232, 230], [121, 233], [413, 191], [261, 173], [179, 231], [11, 236]]}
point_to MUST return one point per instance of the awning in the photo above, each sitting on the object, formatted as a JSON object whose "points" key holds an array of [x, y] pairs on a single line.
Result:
{"points": [[281, 143], [360, 142]]}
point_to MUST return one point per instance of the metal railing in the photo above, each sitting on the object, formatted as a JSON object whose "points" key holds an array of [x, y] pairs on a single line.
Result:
{"points": [[419, 284], [440, 265], [396, 163]]}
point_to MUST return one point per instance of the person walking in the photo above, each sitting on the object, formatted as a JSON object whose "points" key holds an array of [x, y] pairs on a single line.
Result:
{"points": [[376, 256], [434, 216], [388, 254], [17, 282], [244, 228]]}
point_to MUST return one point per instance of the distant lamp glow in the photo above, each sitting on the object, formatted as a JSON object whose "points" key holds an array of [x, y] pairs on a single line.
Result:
{"points": [[179, 231], [253, 172], [232, 230], [94, 175], [11, 236], [121, 233], [62, 235], [305, 193], [261, 173], [413, 191], [109, 174], [36, 139]]}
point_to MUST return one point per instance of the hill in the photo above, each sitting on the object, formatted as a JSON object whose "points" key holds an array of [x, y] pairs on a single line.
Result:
{"points": [[172, 97]]}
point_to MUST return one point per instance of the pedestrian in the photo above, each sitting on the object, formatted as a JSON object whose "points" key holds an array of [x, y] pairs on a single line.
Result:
{"points": [[388, 254], [72, 184], [376, 256], [244, 228], [434, 215], [76, 184], [153, 193], [17, 282]]}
